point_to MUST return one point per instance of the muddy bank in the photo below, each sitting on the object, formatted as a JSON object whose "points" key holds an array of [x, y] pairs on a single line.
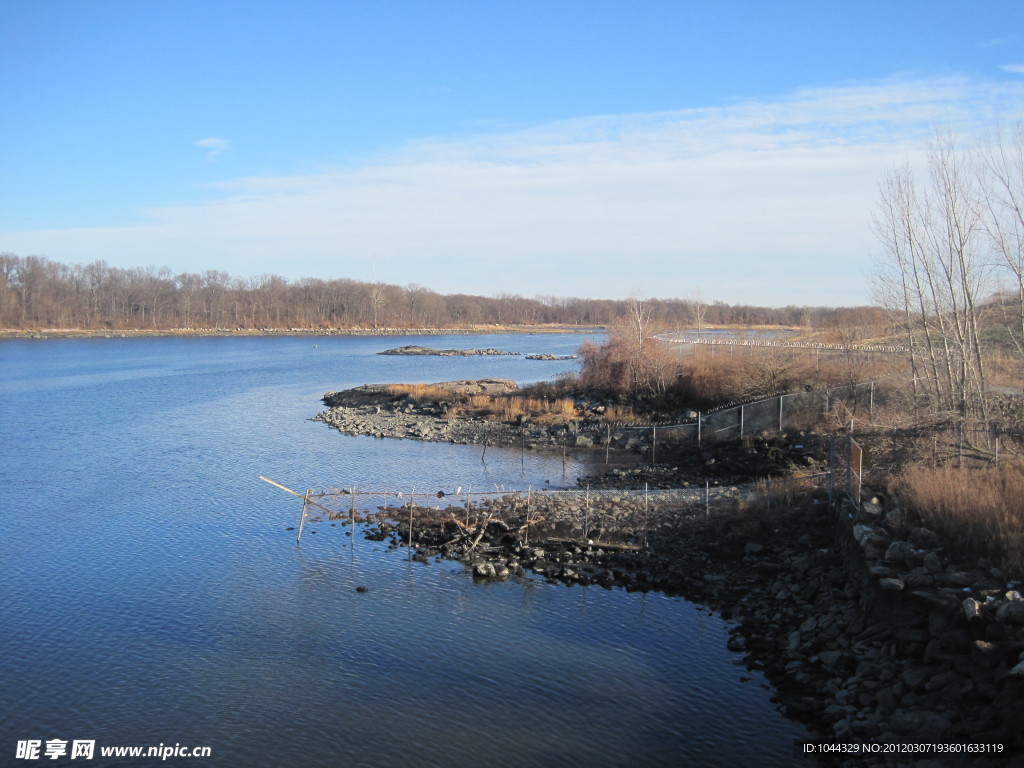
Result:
{"points": [[868, 632]]}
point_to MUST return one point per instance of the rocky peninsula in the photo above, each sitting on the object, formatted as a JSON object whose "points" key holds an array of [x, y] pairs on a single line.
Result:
{"points": [[871, 633]]}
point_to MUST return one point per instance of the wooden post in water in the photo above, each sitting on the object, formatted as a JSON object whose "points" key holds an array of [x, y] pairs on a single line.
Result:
{"points": [[352, 514], [467, 506], [302, 517], [296, 493], [607, 443]]}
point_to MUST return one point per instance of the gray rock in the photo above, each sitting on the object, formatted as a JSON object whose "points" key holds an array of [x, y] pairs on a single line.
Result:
{"points": [[1011, 612], [921, 724], [957, 640], [915, 677], [870, 511], [901, 552], [891, 585], [923, 538], [862, 534], [484, 570], [972, 609]]}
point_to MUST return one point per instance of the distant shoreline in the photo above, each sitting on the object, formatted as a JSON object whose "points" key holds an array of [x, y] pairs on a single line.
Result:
{"points": [[478, 330], [81, 333]]}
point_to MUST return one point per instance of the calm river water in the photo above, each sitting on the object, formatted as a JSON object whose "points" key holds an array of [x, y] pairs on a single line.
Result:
{"points": [[151, 594]]}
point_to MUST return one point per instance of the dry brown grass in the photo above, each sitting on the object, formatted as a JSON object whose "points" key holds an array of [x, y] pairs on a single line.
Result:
{"points": [[420, 392], [978, 512], [625, 415], [513, 408], [713, 377]]}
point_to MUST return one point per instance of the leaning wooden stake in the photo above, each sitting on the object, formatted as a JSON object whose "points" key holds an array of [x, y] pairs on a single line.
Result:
{"points": [[296, 493], [302, 517]]}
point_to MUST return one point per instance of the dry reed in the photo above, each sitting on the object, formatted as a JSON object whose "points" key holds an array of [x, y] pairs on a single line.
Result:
{"points": [[977, 512]]}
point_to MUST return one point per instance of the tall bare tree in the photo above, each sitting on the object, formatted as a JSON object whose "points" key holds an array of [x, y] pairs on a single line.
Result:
{"points": [[937, 273]]}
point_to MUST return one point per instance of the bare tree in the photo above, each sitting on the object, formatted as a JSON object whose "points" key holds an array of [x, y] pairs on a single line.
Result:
{"points": [[935, 277], [698, 309]]}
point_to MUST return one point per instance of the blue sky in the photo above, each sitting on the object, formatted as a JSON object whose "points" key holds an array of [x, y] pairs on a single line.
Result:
{"points": [[598, 148]]}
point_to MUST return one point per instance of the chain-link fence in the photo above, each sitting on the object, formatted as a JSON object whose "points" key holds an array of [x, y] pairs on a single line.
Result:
{"points": [[778, 413], [583, 514]]}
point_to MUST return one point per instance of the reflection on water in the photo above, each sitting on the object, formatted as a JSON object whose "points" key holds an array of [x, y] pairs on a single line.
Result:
{"points": [[152, 593]]}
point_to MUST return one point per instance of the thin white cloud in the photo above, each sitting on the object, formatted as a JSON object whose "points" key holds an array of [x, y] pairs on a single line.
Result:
{"points": [[213, 146], [1017, 69], [762, 202]]}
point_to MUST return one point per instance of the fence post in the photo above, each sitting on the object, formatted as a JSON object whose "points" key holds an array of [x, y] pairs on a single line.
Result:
{"points": [[654, 444], [831, 470], [586, 519], [645, 514], [871, 403], [698, 429], [781, 398], [741, 421], [412, 504], [529, 499]]}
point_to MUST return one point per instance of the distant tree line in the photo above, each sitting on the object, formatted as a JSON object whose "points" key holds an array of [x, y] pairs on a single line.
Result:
{"points": [[36, 292]]}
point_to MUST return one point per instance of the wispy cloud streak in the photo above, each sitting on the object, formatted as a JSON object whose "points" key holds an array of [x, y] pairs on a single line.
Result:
{"points": [[214, 147]]}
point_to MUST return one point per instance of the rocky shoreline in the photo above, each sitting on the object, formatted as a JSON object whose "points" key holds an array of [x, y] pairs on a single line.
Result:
{"points": [[860, 623], [869, 632], [414, 349], [374, 410]]}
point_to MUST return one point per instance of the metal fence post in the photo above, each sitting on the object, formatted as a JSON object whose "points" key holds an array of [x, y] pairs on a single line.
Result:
{"points": [[831, 470]]}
